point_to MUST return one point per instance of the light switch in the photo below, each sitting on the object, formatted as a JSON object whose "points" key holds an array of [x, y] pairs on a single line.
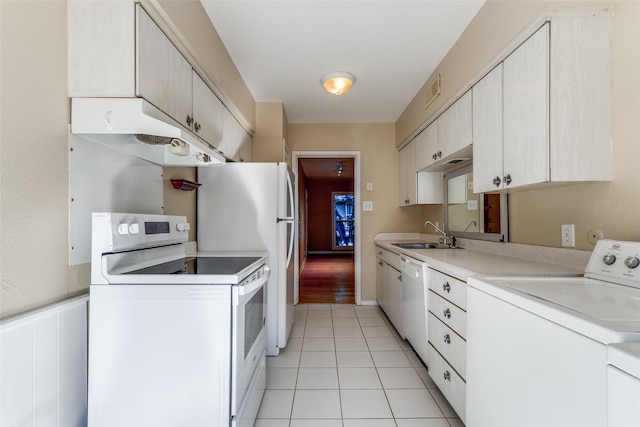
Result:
{"points": [[367, 206], [369, 186]]}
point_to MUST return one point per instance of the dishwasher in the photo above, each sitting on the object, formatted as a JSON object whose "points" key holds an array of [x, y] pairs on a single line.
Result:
{"points": [[414, 289]]}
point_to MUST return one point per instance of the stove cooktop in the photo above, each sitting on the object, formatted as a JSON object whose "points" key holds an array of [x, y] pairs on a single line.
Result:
{"points": [[209, 265]]}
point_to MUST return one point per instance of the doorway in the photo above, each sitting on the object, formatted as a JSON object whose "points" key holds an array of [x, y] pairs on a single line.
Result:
{"points": [[328, 252]]}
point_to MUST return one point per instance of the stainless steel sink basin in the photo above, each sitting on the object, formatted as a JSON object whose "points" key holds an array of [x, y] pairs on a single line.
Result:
{"points": [[421, 245]]}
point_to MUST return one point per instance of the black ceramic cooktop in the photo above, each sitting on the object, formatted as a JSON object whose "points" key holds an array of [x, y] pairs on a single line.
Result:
{"points": [[200, 265]]}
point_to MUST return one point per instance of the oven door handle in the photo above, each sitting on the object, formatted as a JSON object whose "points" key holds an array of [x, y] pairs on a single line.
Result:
{"points": [[255, 285]]}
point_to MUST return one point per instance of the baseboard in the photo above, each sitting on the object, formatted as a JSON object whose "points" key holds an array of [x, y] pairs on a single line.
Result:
{"points": [[368, 302]]}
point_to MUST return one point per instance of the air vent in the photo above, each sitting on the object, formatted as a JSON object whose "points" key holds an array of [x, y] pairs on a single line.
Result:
{"points": [[456, 161], [433, 91]]}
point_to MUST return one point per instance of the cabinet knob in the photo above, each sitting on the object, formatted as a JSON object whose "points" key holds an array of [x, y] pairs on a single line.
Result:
{"points": [[507, 179], [446, 287], [400, 278], [439, 154], [447, 313], [497, 181], [447, 376], [189, 120], [435, 156], [447, 339], [380, 263], [379, 253], [197, 126]]}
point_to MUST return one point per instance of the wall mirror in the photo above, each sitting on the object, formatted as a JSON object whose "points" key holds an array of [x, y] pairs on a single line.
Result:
{"points": [[473, 216]]}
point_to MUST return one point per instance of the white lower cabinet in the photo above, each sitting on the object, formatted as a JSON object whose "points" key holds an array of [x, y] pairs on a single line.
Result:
{"points": [[389, 292], [447, 329]]}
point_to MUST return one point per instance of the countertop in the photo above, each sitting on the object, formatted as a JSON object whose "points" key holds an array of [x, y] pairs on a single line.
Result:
{"points": [[465, 262]]}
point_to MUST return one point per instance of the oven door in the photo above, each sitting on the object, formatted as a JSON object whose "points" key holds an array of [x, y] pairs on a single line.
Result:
{"points": [[248, 370]]}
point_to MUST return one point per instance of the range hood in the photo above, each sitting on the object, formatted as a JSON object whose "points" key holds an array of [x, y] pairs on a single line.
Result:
{"points": [[138, 128]]}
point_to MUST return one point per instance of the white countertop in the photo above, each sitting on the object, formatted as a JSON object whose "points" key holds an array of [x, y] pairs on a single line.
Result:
{"points": [[464, 263]]}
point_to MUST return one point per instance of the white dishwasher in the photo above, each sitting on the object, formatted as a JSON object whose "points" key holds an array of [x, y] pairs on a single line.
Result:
{"points": [[414, 290]]}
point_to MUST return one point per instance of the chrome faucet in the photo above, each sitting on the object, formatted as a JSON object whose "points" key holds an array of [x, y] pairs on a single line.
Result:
{"points": [[446, 240]]}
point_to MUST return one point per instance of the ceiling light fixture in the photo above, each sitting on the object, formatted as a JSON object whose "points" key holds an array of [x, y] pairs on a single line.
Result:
{"points": [[338, 83]]}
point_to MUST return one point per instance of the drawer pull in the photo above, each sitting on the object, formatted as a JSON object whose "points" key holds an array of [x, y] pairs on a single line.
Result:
{"points": [[447, 313], [447, 376], [379, 253], [447, 339], [380, 263], [446, 287]]}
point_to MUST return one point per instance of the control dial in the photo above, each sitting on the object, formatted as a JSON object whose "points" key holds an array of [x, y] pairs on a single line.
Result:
{"points": [[632, 262], [609, 259]]}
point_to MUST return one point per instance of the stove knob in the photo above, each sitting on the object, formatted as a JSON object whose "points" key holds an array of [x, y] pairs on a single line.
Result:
{"points": [[632, 262], [123, 229], [183, 226], [134, 228], [609, 259]]}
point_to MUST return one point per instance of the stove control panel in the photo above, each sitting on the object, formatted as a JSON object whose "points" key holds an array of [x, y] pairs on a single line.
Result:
{"points": [[114, 232], [616, 262]]}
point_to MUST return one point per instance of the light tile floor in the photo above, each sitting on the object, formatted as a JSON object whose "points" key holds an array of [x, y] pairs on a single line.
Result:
{"points": [[346, 366]]}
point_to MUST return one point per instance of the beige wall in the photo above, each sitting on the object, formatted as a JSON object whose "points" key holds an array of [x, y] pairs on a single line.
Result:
{"points": [[34, 185], [536, 216], [271, 129], [379, 165]]}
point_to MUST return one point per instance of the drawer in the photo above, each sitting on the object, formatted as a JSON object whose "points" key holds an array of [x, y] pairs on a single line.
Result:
{"points": [[454, 290], [449, 382], [450, 345], [389, 257], [452, 315]]}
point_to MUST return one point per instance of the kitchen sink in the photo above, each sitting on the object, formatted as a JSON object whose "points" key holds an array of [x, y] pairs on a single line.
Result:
{"points": [[421, 245]]}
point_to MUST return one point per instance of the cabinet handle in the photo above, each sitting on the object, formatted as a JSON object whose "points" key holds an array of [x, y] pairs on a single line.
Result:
{"points": [[447, 313], [379, 253], [446, 287], [380, 263], [435, 156], [447, 376], [197, 126], [497, 181], [447, 339], [189, 120], [439, 154], [507, 179], [400, 278]]}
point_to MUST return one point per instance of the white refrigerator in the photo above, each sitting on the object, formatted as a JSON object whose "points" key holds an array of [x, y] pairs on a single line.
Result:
{"points": [[250, 207]]}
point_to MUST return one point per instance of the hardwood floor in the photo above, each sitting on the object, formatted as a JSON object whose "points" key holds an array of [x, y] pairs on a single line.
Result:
{"points": [[328, 279]]}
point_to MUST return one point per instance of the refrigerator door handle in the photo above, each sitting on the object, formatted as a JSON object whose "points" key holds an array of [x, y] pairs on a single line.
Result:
{"points": [[285, 219]]}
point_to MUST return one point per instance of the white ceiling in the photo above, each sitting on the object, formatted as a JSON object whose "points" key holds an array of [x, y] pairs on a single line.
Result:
{"points": [[283, 48]]}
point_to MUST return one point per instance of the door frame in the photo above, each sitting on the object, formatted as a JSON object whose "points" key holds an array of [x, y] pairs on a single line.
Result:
{"points": [[357, 253]]}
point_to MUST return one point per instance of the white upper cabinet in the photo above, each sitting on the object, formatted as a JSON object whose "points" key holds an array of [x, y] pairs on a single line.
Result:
{"points": [[544, 114], [408, 193], [207, 112], [487, 132], [447, 138], [236, 142], [122, 49], [427, 146], [526, 112], [164, 76], [454, 128]]}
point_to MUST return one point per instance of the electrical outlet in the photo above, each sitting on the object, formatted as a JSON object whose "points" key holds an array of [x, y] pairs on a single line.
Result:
{"points": [[568, 235], [367, 206], [369, 186]]}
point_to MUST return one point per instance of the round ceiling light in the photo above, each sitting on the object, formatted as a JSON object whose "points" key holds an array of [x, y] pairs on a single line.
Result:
{"points": [[338, 83]]}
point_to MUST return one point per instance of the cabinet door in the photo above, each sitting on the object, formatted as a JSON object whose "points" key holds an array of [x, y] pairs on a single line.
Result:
{"points": [[427, 146], [526, 112], [381, 279], [163, 74], [454, 127], [487, 132], [408, 179], [233, 135], [395, 299], [207, 112]]}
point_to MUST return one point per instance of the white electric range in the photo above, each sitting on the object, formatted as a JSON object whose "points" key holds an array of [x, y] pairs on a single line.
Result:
{"points": [[175, 338], [537, 346]]}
